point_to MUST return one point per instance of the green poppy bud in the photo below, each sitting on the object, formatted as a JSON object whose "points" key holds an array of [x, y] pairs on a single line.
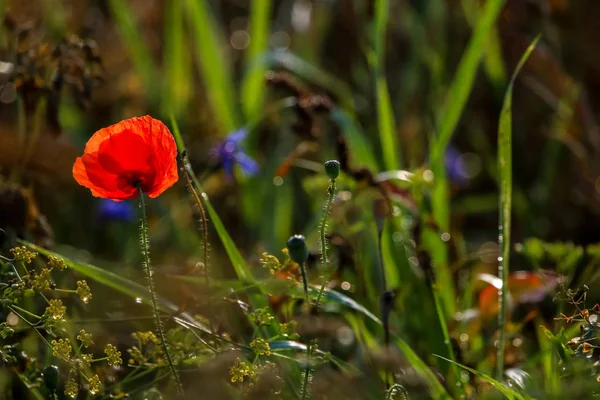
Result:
{"points": [[332, 167], [51, 377], [296, 245]]}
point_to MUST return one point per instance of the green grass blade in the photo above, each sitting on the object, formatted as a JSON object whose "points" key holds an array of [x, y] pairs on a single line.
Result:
{"points": [[136, 46], [253, 86], [213, 65], [175, 61], [437, 389], [505, 390], [360, 148], [454, 105], [337, 297], [239, 264], [465, 76], [385, 115], [119, 283], [505, 169]]}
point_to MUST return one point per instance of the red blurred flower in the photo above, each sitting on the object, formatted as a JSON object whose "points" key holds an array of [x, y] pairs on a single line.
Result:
{"points": [[136, 151]]}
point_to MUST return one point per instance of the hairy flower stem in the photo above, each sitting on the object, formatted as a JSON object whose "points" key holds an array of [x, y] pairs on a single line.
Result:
{"points": [[149, 273], [204, 221], [308, 347], [326, 213], [305, 388]]}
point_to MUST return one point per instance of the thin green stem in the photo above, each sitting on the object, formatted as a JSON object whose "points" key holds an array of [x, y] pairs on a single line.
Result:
{"points": [[306, 372], [326, 213], [204, 220], [308, 347], [27, 312], [149, 273], [304, 282], [447, 341]]}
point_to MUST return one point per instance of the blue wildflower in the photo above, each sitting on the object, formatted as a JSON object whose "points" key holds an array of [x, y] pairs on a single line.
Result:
{"points": [[231, 152], [455, 166], [116, 210]]}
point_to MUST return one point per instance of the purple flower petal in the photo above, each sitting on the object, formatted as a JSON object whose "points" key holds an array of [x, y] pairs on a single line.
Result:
{"points": [[228, 167], [237, 136], [248, 165]]}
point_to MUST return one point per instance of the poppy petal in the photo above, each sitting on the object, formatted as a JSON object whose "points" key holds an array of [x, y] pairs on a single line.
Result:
{"points": [[89, 173], [129, 150], [116, 158]]}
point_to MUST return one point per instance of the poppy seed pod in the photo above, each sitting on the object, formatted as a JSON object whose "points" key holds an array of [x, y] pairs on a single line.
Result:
{"points": [[51, 377], [332, 168], [296, 245]]}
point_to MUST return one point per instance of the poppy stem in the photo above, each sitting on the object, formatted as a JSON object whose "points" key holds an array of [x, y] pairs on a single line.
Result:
{"points": [[145, 245], [327, 211]]}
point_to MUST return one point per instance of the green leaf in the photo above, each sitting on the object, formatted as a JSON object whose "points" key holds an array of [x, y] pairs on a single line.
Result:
{"points": [[213, 65], [505, 168]]}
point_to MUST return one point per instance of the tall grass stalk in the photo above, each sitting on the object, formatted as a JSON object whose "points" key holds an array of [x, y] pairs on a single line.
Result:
{"points": [[504, 227]]}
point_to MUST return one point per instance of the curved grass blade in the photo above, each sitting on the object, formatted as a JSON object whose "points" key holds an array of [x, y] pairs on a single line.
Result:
{"points": [[505, 169], [340, 298], [119, 283], [283, 345], [505, 390], [437, 389]]}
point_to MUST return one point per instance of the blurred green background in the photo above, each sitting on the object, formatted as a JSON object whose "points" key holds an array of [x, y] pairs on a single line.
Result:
{"points": [[388, 87]]}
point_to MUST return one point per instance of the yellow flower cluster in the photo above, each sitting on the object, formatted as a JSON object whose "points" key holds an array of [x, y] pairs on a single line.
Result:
{"points": [[56, 310], [56, 263], [41, 281], [114, 355], [240, 370], [62, 348], [83, 291], [85, 338], [261, 347], [23, 254]]}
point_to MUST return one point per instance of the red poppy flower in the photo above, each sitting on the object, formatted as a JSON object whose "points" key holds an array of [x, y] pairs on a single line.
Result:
{"points": [[136, 151]]}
